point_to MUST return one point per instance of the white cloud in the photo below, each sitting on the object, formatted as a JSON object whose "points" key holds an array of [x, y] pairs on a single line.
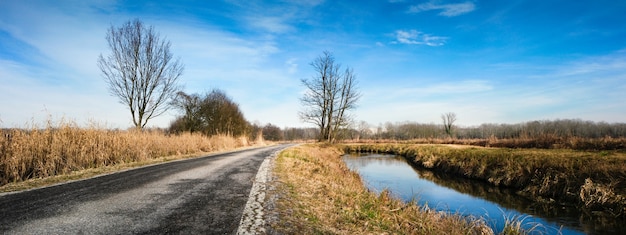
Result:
{"points": [[418, 38], [449, 10], [271, 24], [292, 66]]}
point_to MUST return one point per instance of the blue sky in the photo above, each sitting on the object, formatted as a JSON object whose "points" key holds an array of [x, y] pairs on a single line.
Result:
{"points": [[488, 61]]}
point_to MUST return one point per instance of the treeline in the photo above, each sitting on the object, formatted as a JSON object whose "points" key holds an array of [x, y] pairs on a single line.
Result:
{"points": [[215, 113], [274, 133], [563, 128]]}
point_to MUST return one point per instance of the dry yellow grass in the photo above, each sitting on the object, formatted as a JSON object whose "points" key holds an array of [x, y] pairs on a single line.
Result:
{"points": [[63, 148], [542, 142], [318, 194]]}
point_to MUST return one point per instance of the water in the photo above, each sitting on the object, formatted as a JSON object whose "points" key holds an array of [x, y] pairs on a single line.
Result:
{"points": [[468, 197]]}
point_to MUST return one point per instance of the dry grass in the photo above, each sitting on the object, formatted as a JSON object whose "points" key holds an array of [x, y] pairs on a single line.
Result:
{"points": [[593, 180], [63, 148], [514, 225], [542, 142], [320, 195]]}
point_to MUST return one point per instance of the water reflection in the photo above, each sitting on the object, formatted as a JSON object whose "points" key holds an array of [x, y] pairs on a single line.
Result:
{"points": [[470, 197]]}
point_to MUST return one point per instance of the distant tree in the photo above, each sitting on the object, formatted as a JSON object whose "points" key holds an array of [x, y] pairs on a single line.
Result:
{"points": [[255, 131], [291, 134], [222, 115], [390, 131], [140, 70], [330, 95], [364, 130], [448, 122], [214, 113], [190, 104], [273, 133]]}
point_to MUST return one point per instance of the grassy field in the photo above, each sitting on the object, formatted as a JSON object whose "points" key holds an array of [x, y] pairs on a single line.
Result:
{"points": [[594, 180], [65, 151], [317, 194]]}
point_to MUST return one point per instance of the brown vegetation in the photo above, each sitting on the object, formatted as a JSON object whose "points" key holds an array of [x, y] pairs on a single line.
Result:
{"points": [[540, 142], [66, 147], [318, 194], [596, 181], [213, 113]]}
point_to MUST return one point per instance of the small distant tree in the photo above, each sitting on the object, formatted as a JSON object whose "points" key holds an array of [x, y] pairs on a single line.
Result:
{"points": [[255, 131], [272, 132], [364, 130], [140, 70], [211, 114], [448, 122], [190, 104], [223, 115], [330, 94]]}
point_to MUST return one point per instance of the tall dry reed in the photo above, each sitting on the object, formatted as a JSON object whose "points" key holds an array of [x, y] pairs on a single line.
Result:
{"points": [[65, 147], [541, 142]]}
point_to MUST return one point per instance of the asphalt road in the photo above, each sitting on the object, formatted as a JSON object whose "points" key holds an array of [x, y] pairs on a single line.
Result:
{"points": [[197, 196]]}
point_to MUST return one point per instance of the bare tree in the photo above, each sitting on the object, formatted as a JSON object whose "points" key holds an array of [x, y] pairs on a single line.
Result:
{"points": [[190, 104], [330, 94], [448, 122], [364, 129], [140, 70]]}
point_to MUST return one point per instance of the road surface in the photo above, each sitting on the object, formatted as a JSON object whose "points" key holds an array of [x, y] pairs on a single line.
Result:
{"points": [[197, 196]]}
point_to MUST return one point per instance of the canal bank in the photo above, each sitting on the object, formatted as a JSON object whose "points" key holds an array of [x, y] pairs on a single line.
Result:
{"points": [[316, 193], [555, 180]]}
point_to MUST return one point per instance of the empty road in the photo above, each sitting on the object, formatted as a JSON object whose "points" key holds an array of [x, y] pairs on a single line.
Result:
{"points": [[196, 196]]}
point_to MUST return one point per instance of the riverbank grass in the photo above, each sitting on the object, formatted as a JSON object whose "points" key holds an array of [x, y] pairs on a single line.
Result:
{"points": [[318, 194]]}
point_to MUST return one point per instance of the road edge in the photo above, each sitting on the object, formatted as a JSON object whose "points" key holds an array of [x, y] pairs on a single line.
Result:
{"points": [[253, 217]]}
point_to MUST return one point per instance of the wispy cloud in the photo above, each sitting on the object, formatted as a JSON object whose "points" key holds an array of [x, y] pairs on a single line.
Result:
{"points": [[449, 10], [271, 24], [418, 38], [273, 18], [447, 88]]}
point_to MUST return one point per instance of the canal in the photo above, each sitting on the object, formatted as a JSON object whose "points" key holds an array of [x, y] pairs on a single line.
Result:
{"points": [[471, 197]]}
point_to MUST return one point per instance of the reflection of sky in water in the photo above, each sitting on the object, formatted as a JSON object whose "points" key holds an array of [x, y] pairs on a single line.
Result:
{"points": [[393, 173]]}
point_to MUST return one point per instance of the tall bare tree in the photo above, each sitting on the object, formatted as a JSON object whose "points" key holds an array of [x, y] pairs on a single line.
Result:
{"points": [[140, 70], [448, 122], [330, 94]]}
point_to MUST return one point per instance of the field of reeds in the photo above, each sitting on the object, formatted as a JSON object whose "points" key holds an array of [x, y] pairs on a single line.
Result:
{"points": [[316, 193], [62, 148], [593, 180], [542, 142]]}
